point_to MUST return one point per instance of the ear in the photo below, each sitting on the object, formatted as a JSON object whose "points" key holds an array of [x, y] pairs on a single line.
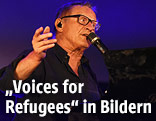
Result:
{"points": [[57, 25]]}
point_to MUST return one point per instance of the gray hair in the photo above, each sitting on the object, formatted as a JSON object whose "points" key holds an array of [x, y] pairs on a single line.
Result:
{"points": [[66, 7]]}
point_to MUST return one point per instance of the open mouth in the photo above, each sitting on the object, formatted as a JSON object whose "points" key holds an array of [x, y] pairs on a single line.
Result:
{"points": [[85, 35]]}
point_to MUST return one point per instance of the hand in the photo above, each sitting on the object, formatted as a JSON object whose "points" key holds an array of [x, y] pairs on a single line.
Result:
{"points": [[41, 43]]}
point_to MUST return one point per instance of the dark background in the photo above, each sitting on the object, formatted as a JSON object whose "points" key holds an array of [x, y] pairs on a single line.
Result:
{"points": [[126, 24]]}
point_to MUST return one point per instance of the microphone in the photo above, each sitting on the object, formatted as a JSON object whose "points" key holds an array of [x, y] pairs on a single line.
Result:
{"points": [[95, 40]]}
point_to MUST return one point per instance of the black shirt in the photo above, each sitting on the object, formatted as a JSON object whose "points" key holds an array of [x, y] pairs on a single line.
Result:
{"points": [[54, 68]]}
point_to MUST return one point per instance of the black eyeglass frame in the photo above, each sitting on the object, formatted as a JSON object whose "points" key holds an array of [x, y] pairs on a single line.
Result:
{"points": [[97, 26]]}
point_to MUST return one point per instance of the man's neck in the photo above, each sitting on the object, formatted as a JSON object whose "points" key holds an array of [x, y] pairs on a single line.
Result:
{"points": [[73, 53], [75, 56]]}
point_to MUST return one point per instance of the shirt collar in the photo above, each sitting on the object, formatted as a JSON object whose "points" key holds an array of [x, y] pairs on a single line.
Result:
{"points": [[84, 60], [63, 55]]}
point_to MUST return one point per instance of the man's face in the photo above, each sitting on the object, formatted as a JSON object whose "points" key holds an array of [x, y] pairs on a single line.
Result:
{"points": [[75, 33]]}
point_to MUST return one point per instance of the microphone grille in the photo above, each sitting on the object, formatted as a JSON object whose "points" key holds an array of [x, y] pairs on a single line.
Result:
{"points": [[91, 36]]}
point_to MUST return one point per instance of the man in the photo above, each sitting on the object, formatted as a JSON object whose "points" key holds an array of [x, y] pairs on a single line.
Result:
{"points": [[55, 60]]}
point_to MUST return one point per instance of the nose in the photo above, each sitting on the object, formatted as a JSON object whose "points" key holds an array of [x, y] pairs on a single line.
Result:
{"points": [[90, 26]]}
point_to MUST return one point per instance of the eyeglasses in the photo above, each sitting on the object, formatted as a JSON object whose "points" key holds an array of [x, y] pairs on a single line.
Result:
{"points": [[84, 20]]}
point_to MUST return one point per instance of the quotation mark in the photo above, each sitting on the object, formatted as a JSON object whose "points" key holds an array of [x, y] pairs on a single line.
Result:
{"points": [[8, 93], [74, 103]]}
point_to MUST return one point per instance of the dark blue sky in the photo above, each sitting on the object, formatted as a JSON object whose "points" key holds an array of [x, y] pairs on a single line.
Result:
{"points": [[125, 24]]}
